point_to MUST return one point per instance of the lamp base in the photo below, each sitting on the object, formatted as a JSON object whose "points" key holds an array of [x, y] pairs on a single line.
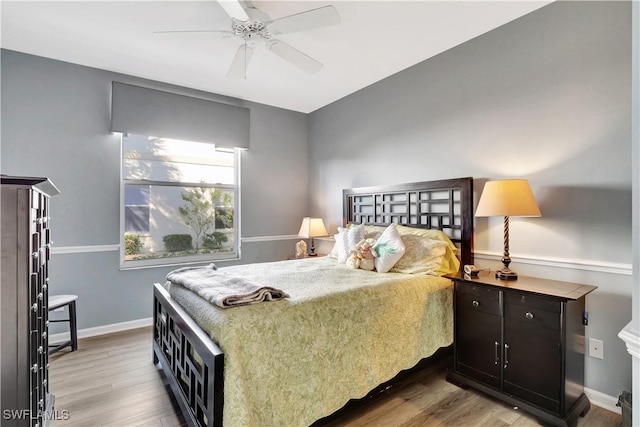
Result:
{"points": [[312, 249], [506, 274]]}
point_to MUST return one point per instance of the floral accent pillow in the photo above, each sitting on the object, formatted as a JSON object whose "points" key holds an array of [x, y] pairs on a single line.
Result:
{"points": [[422, 255], [388, 249]]}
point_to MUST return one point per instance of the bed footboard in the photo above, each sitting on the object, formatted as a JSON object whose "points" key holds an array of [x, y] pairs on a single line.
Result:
{"points": [[192, 363]]}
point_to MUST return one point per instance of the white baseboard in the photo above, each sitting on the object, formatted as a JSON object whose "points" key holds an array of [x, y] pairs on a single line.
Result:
{"points": [[603, 400], [102, 330]]}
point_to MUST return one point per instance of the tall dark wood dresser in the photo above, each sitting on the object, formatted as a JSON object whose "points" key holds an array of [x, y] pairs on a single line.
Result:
{"points": [[26, 248]]}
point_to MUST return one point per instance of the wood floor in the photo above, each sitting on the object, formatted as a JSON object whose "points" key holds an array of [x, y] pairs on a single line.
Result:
{"points": [[111, 381]]}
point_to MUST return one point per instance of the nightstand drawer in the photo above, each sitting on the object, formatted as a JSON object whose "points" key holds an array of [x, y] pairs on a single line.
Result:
{"points": [[478, 290], [476, 298], [547, 304], [529, 311]]}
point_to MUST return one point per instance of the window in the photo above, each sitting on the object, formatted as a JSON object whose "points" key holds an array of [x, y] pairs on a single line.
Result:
{"points": [[180, 202]]}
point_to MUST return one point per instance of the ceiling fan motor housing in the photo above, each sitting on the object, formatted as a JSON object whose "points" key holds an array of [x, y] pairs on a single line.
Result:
{"points": [[251, 31]]}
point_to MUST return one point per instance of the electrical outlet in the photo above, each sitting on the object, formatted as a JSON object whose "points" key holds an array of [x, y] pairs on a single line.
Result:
{"points": [[596, 348]]}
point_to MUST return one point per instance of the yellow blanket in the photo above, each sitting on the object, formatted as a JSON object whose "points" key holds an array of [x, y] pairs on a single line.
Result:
{"points": [[341, 333]]}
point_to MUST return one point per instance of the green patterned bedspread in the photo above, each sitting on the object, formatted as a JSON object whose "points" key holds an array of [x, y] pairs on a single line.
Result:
{"points": [[341, 333]]}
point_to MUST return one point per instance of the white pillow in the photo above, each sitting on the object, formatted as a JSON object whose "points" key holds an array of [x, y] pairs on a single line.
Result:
{"points": [[347, 239], [334, 250], [338, 248], [388, 249]]}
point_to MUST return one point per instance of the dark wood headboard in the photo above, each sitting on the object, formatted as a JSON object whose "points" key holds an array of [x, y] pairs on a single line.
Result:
{"points": [[446, 205]]}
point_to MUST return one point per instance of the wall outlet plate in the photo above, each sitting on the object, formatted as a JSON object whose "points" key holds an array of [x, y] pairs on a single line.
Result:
{"points": [[596, 348]]}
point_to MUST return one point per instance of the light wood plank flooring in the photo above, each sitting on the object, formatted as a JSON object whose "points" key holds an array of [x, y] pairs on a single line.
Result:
{"points": [[111, 381]]}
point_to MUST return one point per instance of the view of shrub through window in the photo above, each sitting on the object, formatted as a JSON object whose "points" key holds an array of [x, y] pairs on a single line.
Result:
{"points": [[179, 201]]}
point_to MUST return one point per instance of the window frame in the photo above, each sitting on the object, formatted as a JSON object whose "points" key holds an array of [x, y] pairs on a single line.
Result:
{"points": [[186, 259]]}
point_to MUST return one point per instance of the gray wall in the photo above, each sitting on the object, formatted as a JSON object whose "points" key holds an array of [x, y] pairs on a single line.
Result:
{"points": [[56, 123], [546, 98]]}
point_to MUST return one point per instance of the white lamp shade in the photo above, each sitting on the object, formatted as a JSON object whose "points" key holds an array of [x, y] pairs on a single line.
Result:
{"points": [[312, 227], [509, 197]]}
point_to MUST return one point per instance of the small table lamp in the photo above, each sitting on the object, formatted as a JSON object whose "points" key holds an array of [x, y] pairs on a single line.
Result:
{"points": [[310, 228], [509, 197]]}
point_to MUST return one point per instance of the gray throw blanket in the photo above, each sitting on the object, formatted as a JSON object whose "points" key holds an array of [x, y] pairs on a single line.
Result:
{"points": [[223, 289]]}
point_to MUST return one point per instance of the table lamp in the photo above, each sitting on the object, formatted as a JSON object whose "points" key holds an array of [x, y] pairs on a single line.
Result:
{"points": [[509, 197], [310, 228]]}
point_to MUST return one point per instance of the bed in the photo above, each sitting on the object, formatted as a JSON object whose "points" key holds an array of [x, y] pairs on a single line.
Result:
{"points": [[340, 333]]}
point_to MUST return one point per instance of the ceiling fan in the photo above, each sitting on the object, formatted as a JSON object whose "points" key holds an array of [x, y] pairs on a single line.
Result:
{"points": [[255, 27]]}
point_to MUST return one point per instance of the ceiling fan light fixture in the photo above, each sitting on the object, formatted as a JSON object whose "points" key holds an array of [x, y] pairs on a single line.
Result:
{"points": [[251, 29]]}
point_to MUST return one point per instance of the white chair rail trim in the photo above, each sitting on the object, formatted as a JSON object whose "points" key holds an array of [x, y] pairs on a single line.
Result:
{"points": [[84, 249], [255, 239], [115, 247], [570, 263]]}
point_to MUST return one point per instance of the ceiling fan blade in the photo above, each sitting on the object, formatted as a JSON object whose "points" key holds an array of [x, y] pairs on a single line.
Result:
{"points": [[314, 18], [218, 33], [294, 56], [238, 69], [234, 9]]}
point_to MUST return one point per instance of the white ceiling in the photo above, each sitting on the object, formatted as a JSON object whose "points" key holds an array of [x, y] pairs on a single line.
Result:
{"points": [[374, 40]]}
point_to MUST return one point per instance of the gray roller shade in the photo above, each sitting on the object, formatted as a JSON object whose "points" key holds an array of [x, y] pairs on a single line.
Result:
{"points": [[144, 111]]}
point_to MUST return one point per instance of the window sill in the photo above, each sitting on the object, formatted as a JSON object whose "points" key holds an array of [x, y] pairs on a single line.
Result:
{"points": [[174, 262]]}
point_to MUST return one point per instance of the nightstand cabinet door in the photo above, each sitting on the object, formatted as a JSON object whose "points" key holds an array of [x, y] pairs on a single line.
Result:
{"points": [[532, 364], [533, 349], [478, 333]]}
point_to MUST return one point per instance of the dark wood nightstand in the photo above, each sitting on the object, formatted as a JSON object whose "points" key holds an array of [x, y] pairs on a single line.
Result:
{"points": [[523, 341]]}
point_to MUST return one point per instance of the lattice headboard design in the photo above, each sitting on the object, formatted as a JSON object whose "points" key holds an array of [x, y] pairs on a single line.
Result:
{"points": [[445, 204]]}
